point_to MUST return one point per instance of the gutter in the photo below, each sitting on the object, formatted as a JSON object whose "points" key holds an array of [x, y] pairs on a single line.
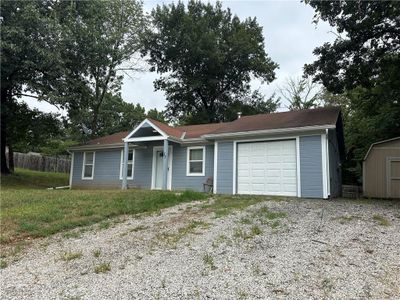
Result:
{"points": [[96, 146], [267, 131]]}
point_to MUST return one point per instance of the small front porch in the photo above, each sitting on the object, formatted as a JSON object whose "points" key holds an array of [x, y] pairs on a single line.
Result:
{"points": [[157, 144]]}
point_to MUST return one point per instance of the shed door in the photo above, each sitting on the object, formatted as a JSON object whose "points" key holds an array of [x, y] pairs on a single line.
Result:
{"points": [[394, 179], [267, 168]]}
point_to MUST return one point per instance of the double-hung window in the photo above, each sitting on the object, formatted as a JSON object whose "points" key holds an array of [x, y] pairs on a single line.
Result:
{"points": [[196, 157], [131, 158], [88, 165]]}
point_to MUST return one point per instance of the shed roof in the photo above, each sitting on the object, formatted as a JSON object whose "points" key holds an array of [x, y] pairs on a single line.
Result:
{"points": [[378, 143]]}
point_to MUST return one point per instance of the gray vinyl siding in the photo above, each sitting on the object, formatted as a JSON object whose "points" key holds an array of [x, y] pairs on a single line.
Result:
{"points": [[106, 169], [143, 167], [179, 164], [225, 168], [311, 166], [335, 170]]}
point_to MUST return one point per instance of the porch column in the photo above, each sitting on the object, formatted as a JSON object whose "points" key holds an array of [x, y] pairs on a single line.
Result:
{"points": [[165, 165], [125, 166]]}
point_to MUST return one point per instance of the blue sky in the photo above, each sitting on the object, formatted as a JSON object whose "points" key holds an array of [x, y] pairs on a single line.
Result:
{"points": [[290, 37]]}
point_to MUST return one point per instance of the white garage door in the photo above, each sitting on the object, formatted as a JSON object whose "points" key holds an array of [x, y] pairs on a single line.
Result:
{"points": [[267, 168]]}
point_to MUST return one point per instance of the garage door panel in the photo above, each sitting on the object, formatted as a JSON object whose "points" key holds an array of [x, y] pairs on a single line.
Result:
{"points": [[273, 174], [273, 187], [267, 168]]}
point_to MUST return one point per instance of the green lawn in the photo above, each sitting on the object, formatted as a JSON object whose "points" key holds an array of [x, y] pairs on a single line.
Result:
{"points": [[27, 179], [29, 210]]}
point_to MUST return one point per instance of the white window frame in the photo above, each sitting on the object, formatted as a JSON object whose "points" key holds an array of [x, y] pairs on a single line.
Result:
{"points": [[188, 161], [84, 165], [121, 167]]}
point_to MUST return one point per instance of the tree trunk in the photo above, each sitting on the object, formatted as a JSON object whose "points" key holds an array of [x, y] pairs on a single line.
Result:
{"points": [[4, 94], [10, 158]]}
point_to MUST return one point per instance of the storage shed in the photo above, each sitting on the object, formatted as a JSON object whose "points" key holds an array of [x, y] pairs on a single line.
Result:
{"points": [[381, 169]]}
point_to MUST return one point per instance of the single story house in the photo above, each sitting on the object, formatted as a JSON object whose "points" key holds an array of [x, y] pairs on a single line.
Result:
{"points": [[381, 169], [296, 153]]}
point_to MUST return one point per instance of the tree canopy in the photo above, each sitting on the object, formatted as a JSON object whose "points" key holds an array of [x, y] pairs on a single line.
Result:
{"points": [[361, 69], [69, 53], [368, 44], [100, 39], [206, 57]]}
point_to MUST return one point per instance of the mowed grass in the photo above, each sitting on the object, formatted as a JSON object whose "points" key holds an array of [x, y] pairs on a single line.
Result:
{"points": [[40, 212]]}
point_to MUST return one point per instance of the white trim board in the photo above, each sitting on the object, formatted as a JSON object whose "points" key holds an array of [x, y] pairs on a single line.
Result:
{"points": [[298, 174], [324, 167], [148, 122], [122, 161], [234, 166], [269, 131], [328, 171], [215, 167], [71, 172], [84, 163], [188, 162], [153, 169]]}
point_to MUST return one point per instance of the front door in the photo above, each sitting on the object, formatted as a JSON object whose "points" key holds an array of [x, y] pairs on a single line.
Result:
{"points": [[158, 168]]}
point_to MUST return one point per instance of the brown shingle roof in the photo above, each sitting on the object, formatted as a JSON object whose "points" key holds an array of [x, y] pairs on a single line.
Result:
{"points": [[171, 131], [289, 119], [115, 138], [196, 131]]}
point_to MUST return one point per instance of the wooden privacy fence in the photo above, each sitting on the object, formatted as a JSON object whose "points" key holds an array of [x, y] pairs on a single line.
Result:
{"points": [[42, 163]]}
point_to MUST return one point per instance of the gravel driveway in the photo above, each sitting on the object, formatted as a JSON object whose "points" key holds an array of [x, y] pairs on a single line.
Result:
{"points": [[294, 249]]}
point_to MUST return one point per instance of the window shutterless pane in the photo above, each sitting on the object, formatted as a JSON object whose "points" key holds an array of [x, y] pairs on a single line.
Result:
{"points": [[196, 154], [130, 155], [89, 158], [196, 167], [88, 171], [130, 169]]}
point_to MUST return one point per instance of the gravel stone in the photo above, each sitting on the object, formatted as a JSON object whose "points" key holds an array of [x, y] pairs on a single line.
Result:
{"points": [[320, 249]]}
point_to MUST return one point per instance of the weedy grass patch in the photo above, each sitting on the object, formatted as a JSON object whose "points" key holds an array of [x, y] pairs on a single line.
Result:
{"points": [[208, 260], [381, 220], [172, 239], [102, 268], [67, 256], [223, 205]]}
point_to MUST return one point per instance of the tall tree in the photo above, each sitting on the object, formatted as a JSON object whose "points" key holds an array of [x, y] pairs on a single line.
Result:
{"points": [[362, 69], [207, 58], [100, 40], [363, 62], [300, 93], [367, 45], [30, 57], [68, 53], [114, 115]]}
